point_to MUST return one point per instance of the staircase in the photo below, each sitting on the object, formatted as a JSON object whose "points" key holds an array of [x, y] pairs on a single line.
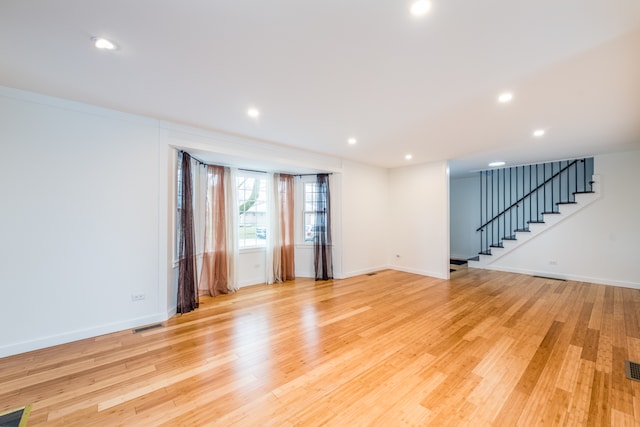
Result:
{"points": [[519, 203]]}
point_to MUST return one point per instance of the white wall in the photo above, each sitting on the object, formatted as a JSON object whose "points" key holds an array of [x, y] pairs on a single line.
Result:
{"points": [[365, 220], [464, 208], [419, 214], [251, 267], [79, 221], [599, 244]]}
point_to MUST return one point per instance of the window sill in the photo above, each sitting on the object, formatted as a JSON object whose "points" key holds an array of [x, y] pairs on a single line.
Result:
{"points": [[253, 250]]}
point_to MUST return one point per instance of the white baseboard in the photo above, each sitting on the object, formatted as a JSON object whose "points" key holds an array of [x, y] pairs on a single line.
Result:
{"points": [[563, 276], [250, 282], [67, 337], [362, 271], [421, 272], [172, 312]]}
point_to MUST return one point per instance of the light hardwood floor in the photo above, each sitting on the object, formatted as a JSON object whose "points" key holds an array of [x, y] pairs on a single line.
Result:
{"points": [[390, 349]]}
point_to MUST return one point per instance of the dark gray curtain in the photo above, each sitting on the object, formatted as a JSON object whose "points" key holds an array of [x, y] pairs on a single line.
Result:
{"points": [[322, 242], [187, 290]]}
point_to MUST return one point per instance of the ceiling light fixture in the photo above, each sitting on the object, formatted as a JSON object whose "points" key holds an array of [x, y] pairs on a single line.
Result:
{"points": [[352, 141], [408, 157], [420, 7], [538, 133], [103, 44], [253, 113], [505, 97], [496, 164]]}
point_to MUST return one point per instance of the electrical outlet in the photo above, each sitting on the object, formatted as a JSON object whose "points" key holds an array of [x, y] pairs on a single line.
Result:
{"points": [[137, 297]]}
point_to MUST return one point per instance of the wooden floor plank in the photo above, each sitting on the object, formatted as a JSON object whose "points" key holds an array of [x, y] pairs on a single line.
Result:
{"points": [[394, 348]]}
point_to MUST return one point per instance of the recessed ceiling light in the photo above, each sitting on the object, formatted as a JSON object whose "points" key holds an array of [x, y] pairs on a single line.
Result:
{"points": [[253, 112], [496, 164], [103, 44], [420, 7], [538, 133], [505, 97], [352, 141], [408, 157]]}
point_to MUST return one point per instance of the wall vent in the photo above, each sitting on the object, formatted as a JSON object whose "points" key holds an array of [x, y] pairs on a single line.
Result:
{"points": [[146, 328], [550, 278]]}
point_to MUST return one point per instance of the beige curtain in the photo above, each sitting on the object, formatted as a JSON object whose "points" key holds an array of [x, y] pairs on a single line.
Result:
{"points": [[286, 269], [214, 278], [231, 223], [280, 243]]}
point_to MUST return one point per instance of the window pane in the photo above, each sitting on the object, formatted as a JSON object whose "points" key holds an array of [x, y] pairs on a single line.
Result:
{"points": [[252, 211], [313, 202], [309, 223], [310, 196]]}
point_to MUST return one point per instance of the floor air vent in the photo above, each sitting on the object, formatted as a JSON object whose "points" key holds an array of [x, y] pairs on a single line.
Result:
{"points": [[632, 369], [550, 278], [17, 417], [146, 328]]}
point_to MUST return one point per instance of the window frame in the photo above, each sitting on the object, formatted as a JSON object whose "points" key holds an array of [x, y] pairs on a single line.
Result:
{"points": [[311, 180], [263, 200], [177, 206]]}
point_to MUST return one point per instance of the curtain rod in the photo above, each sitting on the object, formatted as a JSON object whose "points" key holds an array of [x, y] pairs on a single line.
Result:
{"points": [[193, 157], [253, 170]]}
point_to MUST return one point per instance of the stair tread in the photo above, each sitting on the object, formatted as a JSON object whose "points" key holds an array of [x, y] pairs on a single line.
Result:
{"points": [[566, 203], [583, 192], [509, 238], [496, 246], [522, 230], [485, 253], [535, 222], [551, 213]]}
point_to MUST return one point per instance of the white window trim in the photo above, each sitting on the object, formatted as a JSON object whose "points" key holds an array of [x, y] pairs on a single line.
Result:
{"points": [[259, 175]]}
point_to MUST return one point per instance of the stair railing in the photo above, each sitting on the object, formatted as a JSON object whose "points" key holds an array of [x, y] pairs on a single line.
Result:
{"points": [[512, 198]]}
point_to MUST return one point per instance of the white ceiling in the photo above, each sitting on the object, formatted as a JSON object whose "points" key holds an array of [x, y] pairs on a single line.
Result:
{"points": [[324, 71]]}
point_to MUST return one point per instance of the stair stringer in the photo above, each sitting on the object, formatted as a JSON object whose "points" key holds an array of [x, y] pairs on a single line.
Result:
{"points": [[535, 229]]}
